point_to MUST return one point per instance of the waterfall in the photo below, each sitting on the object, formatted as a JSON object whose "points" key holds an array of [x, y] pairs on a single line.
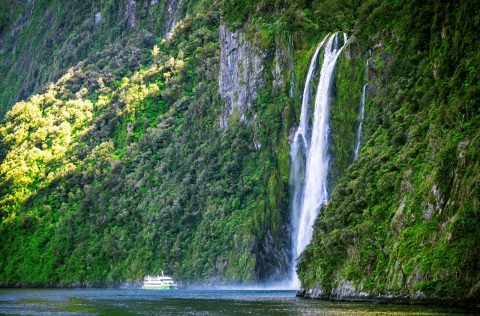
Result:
{"points": [[309, 153], [361, 116], [298, 153]]}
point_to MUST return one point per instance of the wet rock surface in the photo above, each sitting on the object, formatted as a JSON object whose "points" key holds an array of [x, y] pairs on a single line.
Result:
{"points": [[241, 72], [417, 298]]}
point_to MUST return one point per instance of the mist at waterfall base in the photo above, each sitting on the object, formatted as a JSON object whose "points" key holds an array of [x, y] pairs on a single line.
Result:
{"points": [[309, 152]]}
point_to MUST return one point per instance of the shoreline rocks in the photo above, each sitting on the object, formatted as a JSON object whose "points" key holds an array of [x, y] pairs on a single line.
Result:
{"points": [[418, 298]]}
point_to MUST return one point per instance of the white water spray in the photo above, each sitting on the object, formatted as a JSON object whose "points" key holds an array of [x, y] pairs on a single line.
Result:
{"points": [[308, 173], [298, 154]]}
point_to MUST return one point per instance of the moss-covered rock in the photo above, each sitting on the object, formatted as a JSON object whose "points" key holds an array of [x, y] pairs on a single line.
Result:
{"points": [[400, 221]]}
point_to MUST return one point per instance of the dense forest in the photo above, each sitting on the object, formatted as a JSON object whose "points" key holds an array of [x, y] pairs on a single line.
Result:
{"points": [[145, 135]]}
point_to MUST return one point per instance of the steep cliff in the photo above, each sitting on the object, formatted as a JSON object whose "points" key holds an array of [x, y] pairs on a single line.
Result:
{"points": [[156, 135], [403, 219], [241, 73], [41, 39], [122, 167]]}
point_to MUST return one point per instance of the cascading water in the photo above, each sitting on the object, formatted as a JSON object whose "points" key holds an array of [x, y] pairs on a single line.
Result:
{"points": [[298, 154], [362, 115], [299, 147], [309, 156]]}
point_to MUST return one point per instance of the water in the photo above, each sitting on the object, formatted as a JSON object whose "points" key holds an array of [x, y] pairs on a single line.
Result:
{"points": [[298, 157], [358, 140], [191, 302], [309, 153], [361, 117]]}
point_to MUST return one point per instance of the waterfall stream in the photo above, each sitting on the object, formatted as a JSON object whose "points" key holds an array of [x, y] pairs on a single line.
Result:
{"points": [[309, 152], [361, 117]]}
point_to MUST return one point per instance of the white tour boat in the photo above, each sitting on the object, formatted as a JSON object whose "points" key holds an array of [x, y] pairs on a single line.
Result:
{"points": [[157, 282]]}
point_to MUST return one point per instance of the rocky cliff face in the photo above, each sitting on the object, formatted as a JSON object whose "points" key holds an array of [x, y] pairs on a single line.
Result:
{"points": [[134, 160], [151, 172], [170, 16], [241, 73], [131, 13], [402, 221]]}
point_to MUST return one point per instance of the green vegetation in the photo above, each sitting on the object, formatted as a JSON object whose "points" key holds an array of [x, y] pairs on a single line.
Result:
{"points": [[117, 167], [46, 38], [404, 217], [120, 169]]}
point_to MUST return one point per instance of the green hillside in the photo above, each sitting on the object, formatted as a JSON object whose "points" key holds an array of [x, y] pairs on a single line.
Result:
{"points": [[140, 136]]}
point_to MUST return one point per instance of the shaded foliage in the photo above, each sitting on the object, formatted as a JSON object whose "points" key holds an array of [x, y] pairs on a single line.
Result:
{"points": [[404, 217]]}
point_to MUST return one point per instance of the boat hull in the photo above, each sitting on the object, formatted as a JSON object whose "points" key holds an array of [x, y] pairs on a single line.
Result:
{"points": [[159, 287]]}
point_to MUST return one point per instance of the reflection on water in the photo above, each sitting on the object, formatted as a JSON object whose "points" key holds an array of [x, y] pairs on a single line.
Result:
{"points": [[191, 302]]}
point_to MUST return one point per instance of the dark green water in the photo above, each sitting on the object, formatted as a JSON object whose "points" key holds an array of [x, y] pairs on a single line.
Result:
{"points": [[191, 302]]}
